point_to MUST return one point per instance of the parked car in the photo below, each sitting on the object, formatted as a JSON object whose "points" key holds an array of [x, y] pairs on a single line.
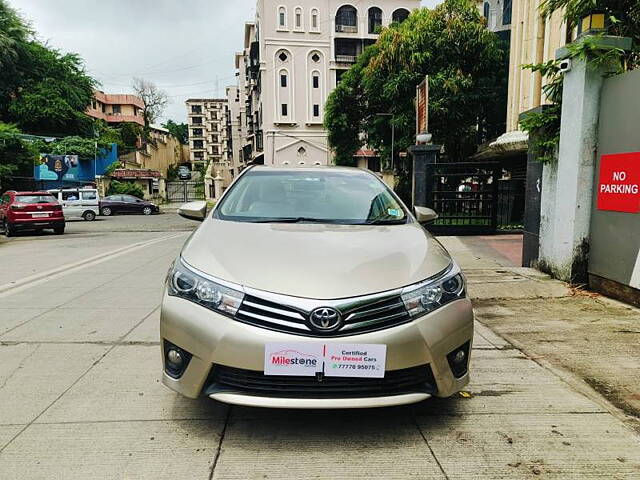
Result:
{"points": [[184, 173], [314, 288], [126, 204], [30, 211], [78, 202]]}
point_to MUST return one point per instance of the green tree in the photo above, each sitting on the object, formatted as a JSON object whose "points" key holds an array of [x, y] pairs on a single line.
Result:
{"points": [[117, 187], [53, 95], [343, 118], [14, 34], [178, 130], [42, 90], [450, 44], [17, 156]]}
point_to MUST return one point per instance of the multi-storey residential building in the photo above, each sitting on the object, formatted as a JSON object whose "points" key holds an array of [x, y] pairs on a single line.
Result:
{"points": [[294, 55], [208, 130], [116, 108], [235, 129]]}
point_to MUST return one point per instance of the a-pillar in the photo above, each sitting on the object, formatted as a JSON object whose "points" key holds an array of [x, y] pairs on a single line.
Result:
{"points": [[567, 187]]}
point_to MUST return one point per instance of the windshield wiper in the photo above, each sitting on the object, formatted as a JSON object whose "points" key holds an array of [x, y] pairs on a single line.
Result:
{"points": [[294, 220], [387, 221]]}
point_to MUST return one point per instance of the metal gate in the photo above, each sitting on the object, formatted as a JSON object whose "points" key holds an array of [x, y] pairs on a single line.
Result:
{"points": [[465, 195], [185, 191]]}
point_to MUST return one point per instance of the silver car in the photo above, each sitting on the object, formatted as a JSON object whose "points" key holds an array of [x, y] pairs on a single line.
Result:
{"points": [[314, 288]]}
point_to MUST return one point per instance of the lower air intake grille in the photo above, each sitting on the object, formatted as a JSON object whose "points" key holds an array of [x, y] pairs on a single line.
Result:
{"points": [[408, 380]]}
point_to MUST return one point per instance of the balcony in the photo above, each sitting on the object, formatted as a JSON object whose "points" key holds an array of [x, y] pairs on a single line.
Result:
{"points": [[346, 58], [346, 28]]}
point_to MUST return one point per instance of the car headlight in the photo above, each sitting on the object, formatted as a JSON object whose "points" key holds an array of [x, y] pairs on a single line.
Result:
{"points": [[186, 283], [429, 295]]}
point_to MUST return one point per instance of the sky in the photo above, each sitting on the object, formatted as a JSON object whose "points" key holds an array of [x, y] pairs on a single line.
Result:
{"points": [[185, 47]]}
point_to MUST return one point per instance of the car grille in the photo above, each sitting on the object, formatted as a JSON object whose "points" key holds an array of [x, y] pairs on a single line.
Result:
{"points": [[408, 380], [364, 314]]}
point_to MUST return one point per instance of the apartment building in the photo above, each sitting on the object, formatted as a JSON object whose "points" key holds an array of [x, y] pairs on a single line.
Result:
{"points": [[207, 120], [294, 55], [116, 108]]}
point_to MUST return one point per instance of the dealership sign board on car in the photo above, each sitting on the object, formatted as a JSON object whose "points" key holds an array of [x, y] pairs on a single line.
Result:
{"points": [[619, 184]]}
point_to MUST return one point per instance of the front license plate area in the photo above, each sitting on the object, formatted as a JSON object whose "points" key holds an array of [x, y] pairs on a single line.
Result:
{"points": [[330, 359]]}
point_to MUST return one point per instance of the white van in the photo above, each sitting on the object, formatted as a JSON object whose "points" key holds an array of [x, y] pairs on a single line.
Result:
{"points": [[78, 202]]}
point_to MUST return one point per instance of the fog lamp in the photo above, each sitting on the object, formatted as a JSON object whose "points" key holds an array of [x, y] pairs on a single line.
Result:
{"points": [[174, 357], [460, 356]]}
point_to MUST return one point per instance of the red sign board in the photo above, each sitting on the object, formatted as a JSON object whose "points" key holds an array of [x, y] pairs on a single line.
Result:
{"points": [[619, 184]]}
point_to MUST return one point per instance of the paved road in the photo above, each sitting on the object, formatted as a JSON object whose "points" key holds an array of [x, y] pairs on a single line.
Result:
{"points": [[81, 396]]}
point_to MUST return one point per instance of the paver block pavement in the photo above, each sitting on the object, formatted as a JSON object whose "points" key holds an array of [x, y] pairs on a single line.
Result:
{"points": [[560, 446], [32, 376], [79, 325], [359, 446], [126, 385], [113, 450]]}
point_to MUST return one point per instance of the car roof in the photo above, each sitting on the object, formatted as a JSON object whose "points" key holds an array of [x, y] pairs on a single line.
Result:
{"points": [[39, 192], [314, 168]]}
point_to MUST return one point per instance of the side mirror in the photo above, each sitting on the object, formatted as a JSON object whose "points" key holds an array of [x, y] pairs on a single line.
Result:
{"points": [[193, 211], [424, 214]]}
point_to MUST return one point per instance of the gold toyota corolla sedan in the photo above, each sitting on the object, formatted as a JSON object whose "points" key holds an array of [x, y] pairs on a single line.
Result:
{"points": [[314, 287]]}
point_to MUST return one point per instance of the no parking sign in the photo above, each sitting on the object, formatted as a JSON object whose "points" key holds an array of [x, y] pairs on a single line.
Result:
{"points": [[619, 184]]}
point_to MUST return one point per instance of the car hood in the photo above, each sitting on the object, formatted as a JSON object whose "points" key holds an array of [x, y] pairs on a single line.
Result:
{"points": [[315, 260]]}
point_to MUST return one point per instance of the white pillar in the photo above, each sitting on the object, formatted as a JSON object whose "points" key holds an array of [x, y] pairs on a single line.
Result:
{"points": [[567, 188], [217, 186]]}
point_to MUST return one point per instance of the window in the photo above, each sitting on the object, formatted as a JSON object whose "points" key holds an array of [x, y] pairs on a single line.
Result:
{"points": [[316, 110], [197, 120], [315, 20], [298, 17], [91, 195], [283, 57], [353, 198], [316, 81], [282, 17], [315, 57], [339, 74], [375, 20], [215, 138], [198, 155], [485, 10], [196, 109], [116, 109], [70, 196], [285, 110], [506, 12], [198, 144], [400, 15], [283, 80], [197, 132], [347, 16]]}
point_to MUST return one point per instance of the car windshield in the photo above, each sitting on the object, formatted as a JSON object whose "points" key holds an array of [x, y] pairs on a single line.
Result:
{"points": [[323, 196], [33, 199]]}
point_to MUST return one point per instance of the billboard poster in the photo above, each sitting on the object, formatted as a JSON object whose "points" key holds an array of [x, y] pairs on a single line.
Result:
{"points": [[422, 106], [58, 167]]}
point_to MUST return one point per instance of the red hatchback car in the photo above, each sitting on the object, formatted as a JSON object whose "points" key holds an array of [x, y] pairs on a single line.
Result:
{"points": [[30, 211]]}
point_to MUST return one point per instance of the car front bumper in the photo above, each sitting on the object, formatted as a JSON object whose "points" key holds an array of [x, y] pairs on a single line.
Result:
{"points": [[216, 340]]}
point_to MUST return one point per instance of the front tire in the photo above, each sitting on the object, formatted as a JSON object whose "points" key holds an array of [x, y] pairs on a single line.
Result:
{"points": [[147, 210], [9, 231], [107, 212], [89, 216]]}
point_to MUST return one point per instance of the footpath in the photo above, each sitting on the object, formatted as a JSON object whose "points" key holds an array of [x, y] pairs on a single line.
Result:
{"points": [[592, 341]]}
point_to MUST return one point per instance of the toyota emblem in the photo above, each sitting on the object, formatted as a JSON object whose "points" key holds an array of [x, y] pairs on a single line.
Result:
{"points": [[325, 319]]}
